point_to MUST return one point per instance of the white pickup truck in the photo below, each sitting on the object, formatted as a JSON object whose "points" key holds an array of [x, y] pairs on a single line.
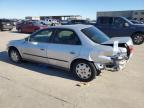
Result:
{"points": [[50, 22]]}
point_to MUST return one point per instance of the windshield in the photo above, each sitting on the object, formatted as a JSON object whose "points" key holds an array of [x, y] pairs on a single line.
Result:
{"points": [[5, 21], [95, 35], [136, 22], [127, 20]]}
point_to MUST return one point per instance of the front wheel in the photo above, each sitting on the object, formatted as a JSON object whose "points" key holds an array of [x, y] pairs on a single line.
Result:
{"points": [[14, 55], [138, 38], [84, 71]]}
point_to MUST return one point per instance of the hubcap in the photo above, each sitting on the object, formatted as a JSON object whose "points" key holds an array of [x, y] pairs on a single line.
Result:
{"points": [[83, 71], [138, 39], [14, 56]]}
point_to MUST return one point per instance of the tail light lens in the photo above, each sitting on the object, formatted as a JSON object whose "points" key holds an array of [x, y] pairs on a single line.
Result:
{"points": [[131, 49]]}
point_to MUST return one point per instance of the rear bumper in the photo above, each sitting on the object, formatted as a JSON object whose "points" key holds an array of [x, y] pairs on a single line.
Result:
{"points": [[115, 63]]}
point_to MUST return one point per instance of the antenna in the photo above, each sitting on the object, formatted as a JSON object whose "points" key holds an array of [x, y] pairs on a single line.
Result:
{"points": [[115, 48]]}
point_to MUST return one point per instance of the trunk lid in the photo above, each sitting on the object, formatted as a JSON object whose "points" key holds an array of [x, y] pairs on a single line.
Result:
{"points": [[121, 40]]}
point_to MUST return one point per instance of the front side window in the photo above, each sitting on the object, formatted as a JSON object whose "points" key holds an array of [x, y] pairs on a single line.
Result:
{"points": [[66, 37], [29, 23], [42, 36], [95, 35], [119, 22]]}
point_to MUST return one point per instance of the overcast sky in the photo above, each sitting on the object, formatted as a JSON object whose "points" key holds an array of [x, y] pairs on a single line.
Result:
{"points": [[85, 8]]}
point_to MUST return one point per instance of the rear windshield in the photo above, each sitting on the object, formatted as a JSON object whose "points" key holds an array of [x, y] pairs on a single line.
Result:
{"points": [[5, 20], [95, 35]]}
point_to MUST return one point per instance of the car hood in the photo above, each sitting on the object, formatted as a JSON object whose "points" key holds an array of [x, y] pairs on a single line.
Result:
{"points": [[15, 42], [126, 40], [138, 25]]}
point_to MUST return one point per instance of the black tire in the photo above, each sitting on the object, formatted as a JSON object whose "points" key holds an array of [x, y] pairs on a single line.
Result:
{"points": [[93, 71], [14, 50], [138, 38]]}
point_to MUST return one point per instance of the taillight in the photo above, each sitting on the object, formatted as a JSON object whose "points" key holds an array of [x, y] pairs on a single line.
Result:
{"points": [[131, 48]]}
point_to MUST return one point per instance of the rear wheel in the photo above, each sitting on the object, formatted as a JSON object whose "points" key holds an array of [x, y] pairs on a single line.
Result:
{"points": [[14, 55], [84, 71], [138, 38]]}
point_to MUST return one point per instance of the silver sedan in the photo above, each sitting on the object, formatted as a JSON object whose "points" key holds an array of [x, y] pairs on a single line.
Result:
{"points": [[82, 49]]}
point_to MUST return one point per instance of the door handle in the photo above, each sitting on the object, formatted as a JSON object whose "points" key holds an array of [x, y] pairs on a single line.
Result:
{"points": [[72, 52]]}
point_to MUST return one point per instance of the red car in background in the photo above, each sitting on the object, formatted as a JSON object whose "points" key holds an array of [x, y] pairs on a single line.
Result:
{"points": [[30, 26]]}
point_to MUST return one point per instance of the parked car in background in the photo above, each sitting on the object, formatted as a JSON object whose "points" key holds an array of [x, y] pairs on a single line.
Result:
{"points": [[92, 22], [30, 26], [64, 22], [6, 24], [14, 21], [120, 27], [83, 49], [50, 22], [77, 21]]}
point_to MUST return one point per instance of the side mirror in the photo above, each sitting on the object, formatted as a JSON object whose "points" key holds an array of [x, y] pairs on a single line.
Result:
{"points": [[126, 25]]}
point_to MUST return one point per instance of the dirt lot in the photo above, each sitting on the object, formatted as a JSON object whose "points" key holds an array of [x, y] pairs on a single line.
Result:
{"points": [[31, 85]]}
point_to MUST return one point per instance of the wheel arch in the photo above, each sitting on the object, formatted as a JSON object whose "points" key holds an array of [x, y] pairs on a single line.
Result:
{"points": [[78, 59], [137, 32], [13, 47]]}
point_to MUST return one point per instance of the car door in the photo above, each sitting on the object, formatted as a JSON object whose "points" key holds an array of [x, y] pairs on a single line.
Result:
{"points": [[65, 47], [36, 47], [27, 27], [24, 27]]}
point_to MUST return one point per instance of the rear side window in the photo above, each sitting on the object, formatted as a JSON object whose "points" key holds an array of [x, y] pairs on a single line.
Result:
{"points": [[42, 36], [64, 36], [105, 20]]}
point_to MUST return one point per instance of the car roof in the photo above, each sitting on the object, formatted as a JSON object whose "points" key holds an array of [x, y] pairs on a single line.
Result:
{"points": [[74, 27]]}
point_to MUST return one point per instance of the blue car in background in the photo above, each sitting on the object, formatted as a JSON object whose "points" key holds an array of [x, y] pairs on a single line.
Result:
{"points": [[121, 27]]}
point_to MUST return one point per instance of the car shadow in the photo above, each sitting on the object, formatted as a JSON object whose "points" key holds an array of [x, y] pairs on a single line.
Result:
{"points": [[37, 67]]}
